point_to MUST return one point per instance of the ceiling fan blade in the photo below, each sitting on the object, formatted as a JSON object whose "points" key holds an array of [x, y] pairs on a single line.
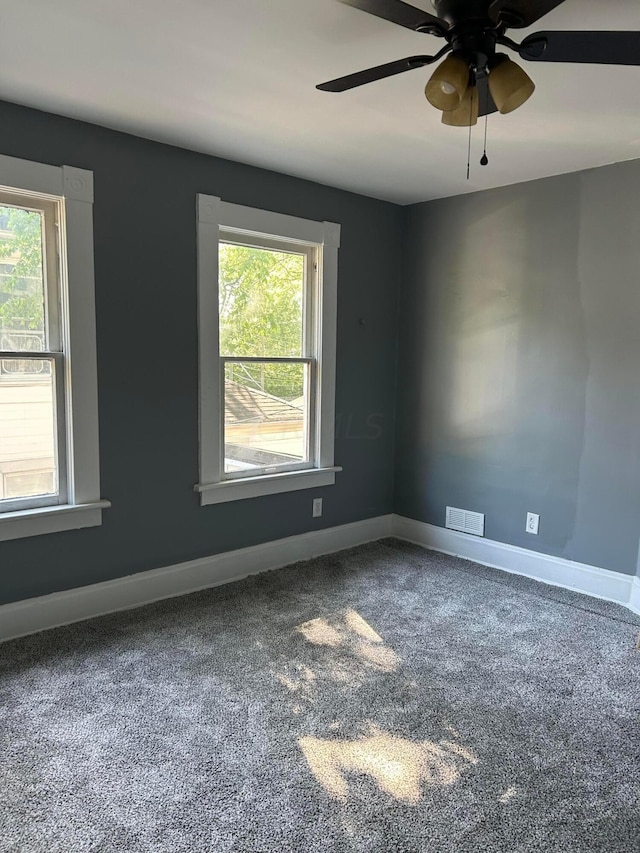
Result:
{"points": [[486, 105], [521, 13], [342, 84], [603, 48], [401, 13]]}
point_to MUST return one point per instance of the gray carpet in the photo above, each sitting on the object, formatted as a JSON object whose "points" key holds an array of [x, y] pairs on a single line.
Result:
{"points": [[380, 699]]}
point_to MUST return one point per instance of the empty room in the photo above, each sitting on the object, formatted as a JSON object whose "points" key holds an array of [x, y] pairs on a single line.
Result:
{"points": [[320, 426]]}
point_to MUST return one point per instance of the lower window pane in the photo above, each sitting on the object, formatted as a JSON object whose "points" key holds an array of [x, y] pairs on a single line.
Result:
{"points": [[265, 422], [27, 428]]}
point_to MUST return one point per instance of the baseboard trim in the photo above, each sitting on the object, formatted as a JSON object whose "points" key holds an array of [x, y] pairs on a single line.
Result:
{"points": [[62, 608], [579, 577], [634, 601]]}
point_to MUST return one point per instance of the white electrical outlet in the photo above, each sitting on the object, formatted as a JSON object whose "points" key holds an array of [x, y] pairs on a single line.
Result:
{"points": [[317, 507], [533, 522]]}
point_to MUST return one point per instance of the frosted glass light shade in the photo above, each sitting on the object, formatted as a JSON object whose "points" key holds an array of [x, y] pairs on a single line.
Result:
{"points": [[466, 114], [510, 85], [448, 84]]}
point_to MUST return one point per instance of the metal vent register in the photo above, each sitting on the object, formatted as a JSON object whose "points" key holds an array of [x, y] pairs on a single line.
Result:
{"points": [[465, 521]]}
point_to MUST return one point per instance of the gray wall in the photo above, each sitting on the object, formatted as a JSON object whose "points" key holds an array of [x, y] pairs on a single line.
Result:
{"points": [[519, 367], [518, 380], [145, 253]]}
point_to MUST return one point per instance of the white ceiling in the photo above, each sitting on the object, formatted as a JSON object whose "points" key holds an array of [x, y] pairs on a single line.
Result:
{"points": [[236, 78]]}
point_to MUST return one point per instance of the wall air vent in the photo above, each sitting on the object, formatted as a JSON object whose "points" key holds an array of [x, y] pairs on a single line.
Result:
{"points": [[465, 521]]}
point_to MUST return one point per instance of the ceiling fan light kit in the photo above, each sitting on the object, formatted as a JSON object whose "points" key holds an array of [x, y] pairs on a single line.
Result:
{"points": [[453, 88], [448, 84], [466, 114], [509, 84], [472, 30]]}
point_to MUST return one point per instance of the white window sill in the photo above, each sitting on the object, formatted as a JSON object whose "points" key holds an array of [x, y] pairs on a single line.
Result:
{"points": [[266, 484], [50, 519]]}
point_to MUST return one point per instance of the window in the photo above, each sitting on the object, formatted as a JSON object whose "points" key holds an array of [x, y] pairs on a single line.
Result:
{"points": [[267, 326], [49, 477], [32, 449]]}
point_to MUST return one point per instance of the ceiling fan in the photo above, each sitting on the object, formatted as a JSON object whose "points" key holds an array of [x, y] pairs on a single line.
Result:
{"points": [[475, 80]]}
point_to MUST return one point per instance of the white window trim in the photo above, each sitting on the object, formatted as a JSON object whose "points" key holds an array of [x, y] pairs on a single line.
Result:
{"points": [[213, 214], [84, 506]]}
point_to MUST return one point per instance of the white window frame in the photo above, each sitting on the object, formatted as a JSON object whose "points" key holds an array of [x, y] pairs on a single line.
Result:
{"points": [[72, 190], [216, 218]]}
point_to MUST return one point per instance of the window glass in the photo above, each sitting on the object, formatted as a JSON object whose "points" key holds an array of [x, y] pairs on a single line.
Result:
{"points": [[22, 284], [28, 428], [261, 294], [265, 407]]}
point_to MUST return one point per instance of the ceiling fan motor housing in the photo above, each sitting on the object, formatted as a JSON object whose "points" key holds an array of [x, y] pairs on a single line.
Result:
{"points": [[472, 34], [478, 47], [463, 10]]}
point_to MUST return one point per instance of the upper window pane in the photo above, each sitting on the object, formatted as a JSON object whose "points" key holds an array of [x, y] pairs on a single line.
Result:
{"points": [[261, 295], [22, 289]]}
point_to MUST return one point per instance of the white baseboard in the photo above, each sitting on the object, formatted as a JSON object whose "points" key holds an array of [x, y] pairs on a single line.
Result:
{"points": [[62, 608], [590, 580], [634, 601]]}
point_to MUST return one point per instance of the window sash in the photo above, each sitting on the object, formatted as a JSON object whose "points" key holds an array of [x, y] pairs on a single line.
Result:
{"points": [[51, 216], [254, 240], [57, 361], [276, 359], [54, 341], [308, 347]]}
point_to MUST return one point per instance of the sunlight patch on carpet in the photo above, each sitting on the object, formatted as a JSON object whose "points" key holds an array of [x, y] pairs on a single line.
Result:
{"points": [[399, 767], [349, 631]]}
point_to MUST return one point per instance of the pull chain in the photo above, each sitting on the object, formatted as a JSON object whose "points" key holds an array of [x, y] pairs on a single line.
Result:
{"points": [[469, 146], [485, 160]]}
